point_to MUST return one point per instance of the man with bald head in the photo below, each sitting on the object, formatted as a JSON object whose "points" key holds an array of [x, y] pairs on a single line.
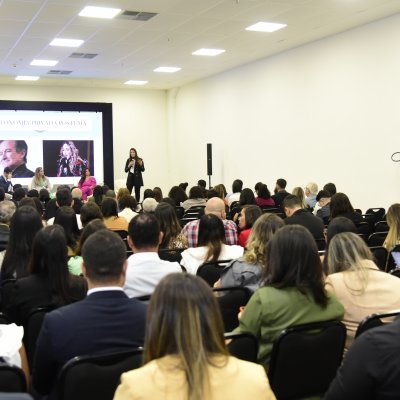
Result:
{"points": [[215, 206]]}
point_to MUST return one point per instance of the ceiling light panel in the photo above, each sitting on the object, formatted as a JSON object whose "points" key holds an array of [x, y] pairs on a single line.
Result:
{"points": [[99, 12], [44, 63], [266, 27], [208, 52], [139, 83], [167, 69], [26, 78], [66, 42]]}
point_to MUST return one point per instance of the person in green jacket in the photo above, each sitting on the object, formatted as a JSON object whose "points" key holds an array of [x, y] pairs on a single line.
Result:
{"points": [[293, 292]]}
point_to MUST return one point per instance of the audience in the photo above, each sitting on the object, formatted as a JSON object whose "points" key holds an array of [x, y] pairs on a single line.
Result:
{"points": [[196, 198], [7, 210], [157, 194], [149, 205], [109, 209], [311, 191], [299, 192], [324, 209], [98, 195], [178, 195], [89, 212], [330, 188], [237, 187], [66, 217], [127, 206], [280, 192], [247, 218], [341, 207], [185, 355], [393, 220], [264, 198]]}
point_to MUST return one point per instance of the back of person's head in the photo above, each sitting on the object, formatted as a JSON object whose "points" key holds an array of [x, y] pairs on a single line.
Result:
{"points": [[251, 213], [66, 217], [44, 195], [169, 223], [105, 189], [127, 201], [340, 204], [111, 194], [184, 315], [281, 183], [24, 225], [292, 260], [211, 193], [331, 188], [144, 231], [237, 186], [98, 195], [247, 197], [17, 186], [323, 194], [89, 212], [64, 197], [202, 183], [33, 193], [27, 201], [157, 194], [257, 187], [183, 186], [76, 193], [263, 230], [348, 252], [220, 189], [149, 205], [169, 201], [104, 255], [7, 210], [211, 235], [122, 192], [299, 192], [215, 206], [291, 201], [393, 220], [263, 191], [339, 225], [109, 207], [148, 194], [90, 228], [18, 194], [2, 194], [196, 192], [178, 195], [312, 188]]}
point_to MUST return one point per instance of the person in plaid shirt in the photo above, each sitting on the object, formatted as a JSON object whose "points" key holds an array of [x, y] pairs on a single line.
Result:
{"points": [[215, 206]]}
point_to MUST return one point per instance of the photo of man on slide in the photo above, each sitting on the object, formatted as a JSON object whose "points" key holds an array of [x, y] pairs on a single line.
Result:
{"points": [[13, 154]]}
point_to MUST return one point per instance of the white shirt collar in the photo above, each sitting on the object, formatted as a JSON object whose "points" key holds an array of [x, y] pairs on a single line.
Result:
{"points": [[104, 289]]}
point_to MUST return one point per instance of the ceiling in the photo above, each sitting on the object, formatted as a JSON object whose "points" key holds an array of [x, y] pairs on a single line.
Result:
{"points": [[131, 49]]}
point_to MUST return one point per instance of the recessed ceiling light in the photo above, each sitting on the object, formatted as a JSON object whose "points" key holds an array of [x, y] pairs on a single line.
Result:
{"points": [[266, 27], [66, 42], [167, 69], [208, 52], [135, 82], [44, 63], [99, 12], [26, 78]]}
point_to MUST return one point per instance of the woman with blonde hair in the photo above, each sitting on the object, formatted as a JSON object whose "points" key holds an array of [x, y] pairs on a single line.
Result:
{"points": [[393, 220], [299, 192], [184, 352], [357, 282], [40, 181]]}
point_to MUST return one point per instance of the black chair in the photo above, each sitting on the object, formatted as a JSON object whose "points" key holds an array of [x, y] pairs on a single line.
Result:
{"points": [[375, 320], [242, 345], [358, 210], [363, 229], [378, 213], [211, 272], [170, 254], [195, 211], [381, 226], [32, 327], [305, 358], [380, 256], [3, 319], [124, 236], [268, 209], [321, 243], [183, 221], [395, 272], [12, 378], [376, 239], [230, 299], [180, 211], [370, 220], [95, 376]]}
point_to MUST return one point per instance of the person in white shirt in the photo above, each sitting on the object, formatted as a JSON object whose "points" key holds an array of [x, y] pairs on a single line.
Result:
{"points": [[145, 268]]}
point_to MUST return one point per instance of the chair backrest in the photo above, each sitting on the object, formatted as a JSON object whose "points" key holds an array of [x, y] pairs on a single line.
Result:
{"points": [[95, 376], [183, 221], [380, 256], [211, 272], [180, 211], [305, 358], [376, 238], [242, 345], [375, 320], [381, 226], [170, 255], [364, 229], [12, 378], [378, 213], [230, 299]]}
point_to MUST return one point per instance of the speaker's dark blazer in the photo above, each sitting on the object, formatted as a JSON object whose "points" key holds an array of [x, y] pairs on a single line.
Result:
{"points": [[102, 322]]}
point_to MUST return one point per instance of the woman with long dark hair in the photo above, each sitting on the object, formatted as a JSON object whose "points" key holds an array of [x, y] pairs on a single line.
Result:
{"points": [[341, 207], [184, 352], [178, 195], [49, 282], [86, 184], [248, 216], [264, 198], [112, 220], [134, 166], [293, 292], [66, 217]]}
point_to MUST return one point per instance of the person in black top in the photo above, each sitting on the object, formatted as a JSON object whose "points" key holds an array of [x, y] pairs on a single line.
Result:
{"points": [[5, 180], [280, 192], [134, 166]]}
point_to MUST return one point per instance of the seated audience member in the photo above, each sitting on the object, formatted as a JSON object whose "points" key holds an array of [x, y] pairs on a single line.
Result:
{"points": [[211, 247], [248, 270], [51, 204], [370, 370], [148, 194], [44, 197], [76, 194], [7, 210], [127, 206], [34, 203], [293, 291], [149, 205], [109, 209], [24, 225], [183, 186], [178, 195], [157, 194], [221, 190], [246, 198], [18, 194], [324, 209], [295, 214], [98, 195], [32, 193], [170, 227], [111, 194], [49, 282], [330, 188], [264, 198], [185, 350], [145, 268], [311, 191], [201, 183], [75, 262], [90, 211], [393, 220], [358, 283], [211, 193], [299, 192], [40, 181], [341, 207], [5, 180], [195, 198], [247, 218], [106, 320], [280, 192], [66, 217], [122, 192], [214, 206], [237, 187]]}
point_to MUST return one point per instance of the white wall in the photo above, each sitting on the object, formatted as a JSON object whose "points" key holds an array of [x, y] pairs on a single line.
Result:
{"points": [[327, 111], [139, 120]]}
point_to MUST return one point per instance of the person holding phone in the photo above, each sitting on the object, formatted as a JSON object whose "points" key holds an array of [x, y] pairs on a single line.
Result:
{"points": [[134, 166]]}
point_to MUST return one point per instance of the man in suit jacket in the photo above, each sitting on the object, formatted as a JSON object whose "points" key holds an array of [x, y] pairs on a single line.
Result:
{"points": [[106, 320], [295, 214]]}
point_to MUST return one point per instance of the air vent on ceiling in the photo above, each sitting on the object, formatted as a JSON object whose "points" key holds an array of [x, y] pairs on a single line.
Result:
{"points": [[136, 15], [83, 55], [58, 72]]}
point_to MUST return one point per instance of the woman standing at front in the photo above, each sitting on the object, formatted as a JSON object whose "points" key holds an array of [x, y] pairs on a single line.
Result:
{"points": [[134, 166]]}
